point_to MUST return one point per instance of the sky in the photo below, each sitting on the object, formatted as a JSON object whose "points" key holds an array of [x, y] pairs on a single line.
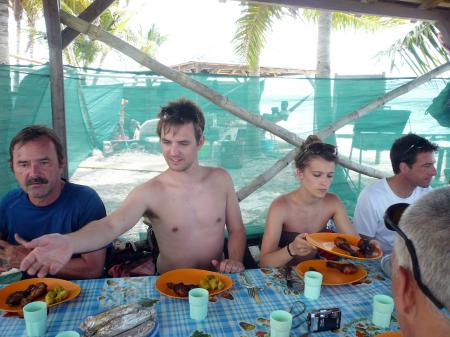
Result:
{"points": [[202, 30]]}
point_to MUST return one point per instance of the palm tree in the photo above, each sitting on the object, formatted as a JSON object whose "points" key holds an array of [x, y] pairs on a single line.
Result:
{"points": [[151, 41], [4, 36], [250, 36], [33, 9], [257, 20], [5, 90], [84, 51]]}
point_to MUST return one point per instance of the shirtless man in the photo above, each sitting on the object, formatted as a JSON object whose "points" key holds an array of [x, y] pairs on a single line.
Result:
{"points": [[189, 206]]}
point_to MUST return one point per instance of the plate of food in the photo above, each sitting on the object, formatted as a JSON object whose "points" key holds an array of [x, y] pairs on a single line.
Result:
{"points": [[334, 273], [51, 290], [346, 245], [177, 283]]}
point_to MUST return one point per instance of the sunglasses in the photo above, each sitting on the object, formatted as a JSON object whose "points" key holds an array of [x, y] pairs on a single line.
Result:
{"points": [[321, 149], [416, 146], [391, 219]]}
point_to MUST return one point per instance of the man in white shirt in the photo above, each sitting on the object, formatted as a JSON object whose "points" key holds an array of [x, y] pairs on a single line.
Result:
{"points": [[412, 159]]}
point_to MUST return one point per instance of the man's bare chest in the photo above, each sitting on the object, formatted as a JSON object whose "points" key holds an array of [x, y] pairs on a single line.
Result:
{"points": [[186, 210]]}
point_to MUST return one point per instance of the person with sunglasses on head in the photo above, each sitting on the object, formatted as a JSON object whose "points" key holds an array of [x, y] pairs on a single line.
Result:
{"points": [[412, 158], [421, 268], [188, 205], [307, 209]]}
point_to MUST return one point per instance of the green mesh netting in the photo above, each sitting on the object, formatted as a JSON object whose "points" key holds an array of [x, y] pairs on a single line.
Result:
{"points": [[103, 109]]}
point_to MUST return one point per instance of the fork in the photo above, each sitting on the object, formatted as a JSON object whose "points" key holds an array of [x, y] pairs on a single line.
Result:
{"points": [[251, 288]]}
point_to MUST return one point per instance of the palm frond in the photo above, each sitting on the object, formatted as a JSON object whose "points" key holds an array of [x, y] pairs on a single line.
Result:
{"points": [[252, 27], [420, 50], [366, 23]]}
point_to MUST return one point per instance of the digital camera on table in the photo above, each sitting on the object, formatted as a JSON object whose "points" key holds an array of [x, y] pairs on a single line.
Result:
{"points": [[324, 319]]}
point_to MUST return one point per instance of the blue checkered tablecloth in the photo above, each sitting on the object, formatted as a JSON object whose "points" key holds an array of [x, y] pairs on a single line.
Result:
{"points": [[236, 314]]}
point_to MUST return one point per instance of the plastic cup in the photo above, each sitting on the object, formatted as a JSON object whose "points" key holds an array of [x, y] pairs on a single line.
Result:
{"points": [[68, 333], [198, 303], [35, 315], [280, 323], [383, 306], [313, 282]]}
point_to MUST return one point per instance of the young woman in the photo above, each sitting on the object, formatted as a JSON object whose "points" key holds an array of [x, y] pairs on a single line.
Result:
{"points": [[307, 209]]}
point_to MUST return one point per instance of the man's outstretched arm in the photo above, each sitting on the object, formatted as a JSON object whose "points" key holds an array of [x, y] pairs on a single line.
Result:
{"points": [[51, 252]]}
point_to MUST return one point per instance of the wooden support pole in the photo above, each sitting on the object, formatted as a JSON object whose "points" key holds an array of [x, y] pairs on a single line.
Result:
{"points": [[364, 110], [89, 14], [283, 162], [184, 80], [223, 102], [53, 25]]}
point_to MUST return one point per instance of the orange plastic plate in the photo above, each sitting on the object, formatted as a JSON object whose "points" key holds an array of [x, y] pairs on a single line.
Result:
{"points": [[73, 289], [331, 276], [325, 241], [189, 276]]}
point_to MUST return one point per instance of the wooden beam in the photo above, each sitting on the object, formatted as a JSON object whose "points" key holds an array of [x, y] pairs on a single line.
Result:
{"points": [[223, 101], [53, 25], [404, 10], [182, 79], [325, 132], [89, 14], [428, 4]]}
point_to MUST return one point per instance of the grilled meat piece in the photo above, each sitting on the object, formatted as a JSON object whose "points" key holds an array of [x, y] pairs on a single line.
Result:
{"points": [[181, 289], [23, 297], [366, 249], [343, 244], [16, 297], [344, 268], [34, 292]]}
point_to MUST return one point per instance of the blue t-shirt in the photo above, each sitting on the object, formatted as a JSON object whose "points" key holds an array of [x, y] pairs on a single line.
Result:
{"points": [[76, 206]]}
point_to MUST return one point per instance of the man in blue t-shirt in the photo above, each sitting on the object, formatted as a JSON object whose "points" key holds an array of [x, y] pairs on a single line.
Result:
{"points": [[46, 203]]}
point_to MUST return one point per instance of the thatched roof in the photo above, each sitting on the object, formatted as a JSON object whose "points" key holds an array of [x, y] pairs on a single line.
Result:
{"points": [[236, 69]]}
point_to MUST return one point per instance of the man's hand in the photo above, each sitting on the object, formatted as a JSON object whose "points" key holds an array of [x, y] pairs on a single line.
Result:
{"points": [[228, 266], [12, 255], [50, 253]]}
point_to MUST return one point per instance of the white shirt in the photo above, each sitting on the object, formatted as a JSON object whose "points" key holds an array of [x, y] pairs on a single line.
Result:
{"points": [[370, 207]]}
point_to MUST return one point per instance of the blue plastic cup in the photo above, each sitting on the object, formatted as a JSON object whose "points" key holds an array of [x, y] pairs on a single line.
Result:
{"points": [[35, 315], [313, 283], [198, 303], [383, 306], [68, 333], [280, 323]]}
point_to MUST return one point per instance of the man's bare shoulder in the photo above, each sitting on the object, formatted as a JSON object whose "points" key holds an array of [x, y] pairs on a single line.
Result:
{"points": [[216, 174], [152, 186]]}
